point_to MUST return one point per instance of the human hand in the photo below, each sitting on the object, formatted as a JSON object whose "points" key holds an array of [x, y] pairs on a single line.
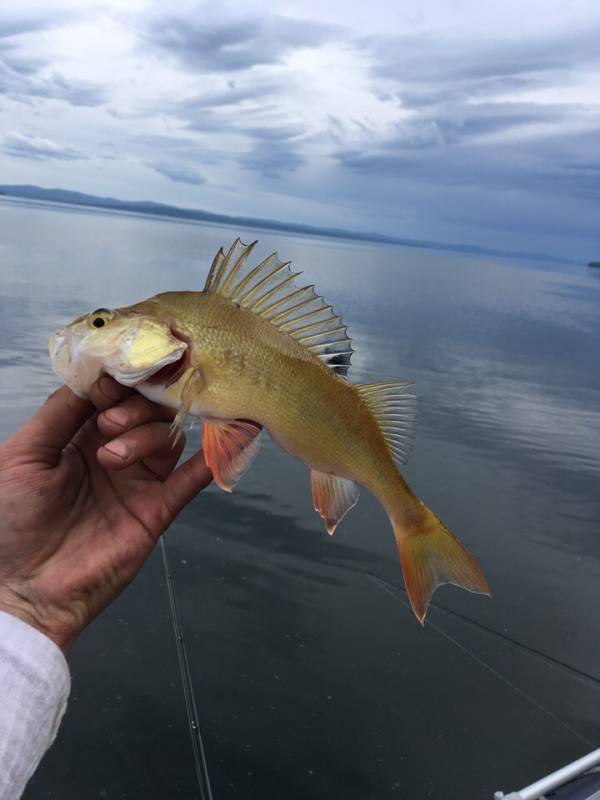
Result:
{"points": [[83, 501]]}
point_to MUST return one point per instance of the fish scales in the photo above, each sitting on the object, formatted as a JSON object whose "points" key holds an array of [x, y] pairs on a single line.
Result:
{"points": [[253, 351], [253, 371]]}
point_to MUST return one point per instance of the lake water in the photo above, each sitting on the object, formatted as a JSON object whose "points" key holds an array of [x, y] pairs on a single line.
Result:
{"points": [[311, 677]]}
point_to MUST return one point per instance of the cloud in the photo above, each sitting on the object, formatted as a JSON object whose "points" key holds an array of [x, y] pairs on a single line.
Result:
{"points": [[272, 158], [480, 126], [466, 65], [205, 43], [73, 91], [178, 173], [24, 72], [493, 185], [23, 146], [231, 95], [276, 133], [23, 78], [482, 134], [26, 17]]}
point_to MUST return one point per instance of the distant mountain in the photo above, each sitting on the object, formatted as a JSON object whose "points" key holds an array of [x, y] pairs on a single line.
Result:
{"points": [[162, 210]]}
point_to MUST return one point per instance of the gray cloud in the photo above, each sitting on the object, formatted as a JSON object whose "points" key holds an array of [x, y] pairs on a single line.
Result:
{"points": [[178, 173], [469, 133], [532, 166], [182, 150], [233, 95], [272, 158], [17, 20], [54, 87], [32, 147], [276, 133], [228, 45], [464, 154], [75, 92], [23, 78], [12, 62], [467, 65], [450, 87]]}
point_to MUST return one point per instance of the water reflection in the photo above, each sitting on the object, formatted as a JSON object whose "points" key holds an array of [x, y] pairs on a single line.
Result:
{"points": [[312, 681]]}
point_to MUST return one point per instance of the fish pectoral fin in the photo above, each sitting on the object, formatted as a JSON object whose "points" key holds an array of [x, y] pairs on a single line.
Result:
{"points": [[192, 387], [229, 448], [332, 497]]}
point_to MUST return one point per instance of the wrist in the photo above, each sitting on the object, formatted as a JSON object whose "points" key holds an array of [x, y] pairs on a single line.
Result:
{"points": [[52, 626]]}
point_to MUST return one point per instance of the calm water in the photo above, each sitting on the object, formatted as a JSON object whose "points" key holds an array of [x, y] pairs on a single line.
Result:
{"points": [[311, 677]]}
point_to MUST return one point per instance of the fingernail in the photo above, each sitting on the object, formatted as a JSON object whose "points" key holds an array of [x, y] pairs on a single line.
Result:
{"points": [[117, 448], [110, 388], [117, 416]]}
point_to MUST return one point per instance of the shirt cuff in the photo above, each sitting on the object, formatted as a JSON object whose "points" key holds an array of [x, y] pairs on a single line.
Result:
{"points": [[34, 687]]}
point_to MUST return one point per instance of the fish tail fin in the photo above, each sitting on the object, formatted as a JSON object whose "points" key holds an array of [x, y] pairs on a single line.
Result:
{"points": [[430, 556]]}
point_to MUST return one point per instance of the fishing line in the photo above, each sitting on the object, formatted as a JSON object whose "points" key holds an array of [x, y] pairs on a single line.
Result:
{"points": [[188, 688], [392, 591], [553, 663]]}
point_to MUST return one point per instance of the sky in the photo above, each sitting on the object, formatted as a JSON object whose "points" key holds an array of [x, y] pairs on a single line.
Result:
{"points": [[448, 120]]}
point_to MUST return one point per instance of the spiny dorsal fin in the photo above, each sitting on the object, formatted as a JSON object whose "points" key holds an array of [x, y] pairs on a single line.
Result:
{"points": [[269, 289], [395, 410]]}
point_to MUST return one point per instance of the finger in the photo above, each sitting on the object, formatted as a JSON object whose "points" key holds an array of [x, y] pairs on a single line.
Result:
{"points": [[131, 413], [186, 481], [106, 392], [149, 443], [53, 426]]}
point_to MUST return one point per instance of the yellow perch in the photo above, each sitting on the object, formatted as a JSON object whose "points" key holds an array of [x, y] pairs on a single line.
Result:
{"points": [[255, 350]]}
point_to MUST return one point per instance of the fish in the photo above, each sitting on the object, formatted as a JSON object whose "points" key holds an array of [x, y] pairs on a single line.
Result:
{"points": [[257, 350]]}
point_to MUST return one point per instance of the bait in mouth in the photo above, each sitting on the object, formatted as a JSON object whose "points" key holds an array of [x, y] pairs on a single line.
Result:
{"points": [[255, 350]]}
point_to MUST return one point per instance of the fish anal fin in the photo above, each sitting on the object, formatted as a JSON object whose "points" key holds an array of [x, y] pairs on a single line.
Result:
{"points": [[395, 410], [229, 448], [332, 497], [431, 556], [270, 291]]}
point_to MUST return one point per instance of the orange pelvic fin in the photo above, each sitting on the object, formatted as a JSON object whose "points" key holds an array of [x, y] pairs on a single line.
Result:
{"points": [[229, 447], [332, 497], [432, 556]]}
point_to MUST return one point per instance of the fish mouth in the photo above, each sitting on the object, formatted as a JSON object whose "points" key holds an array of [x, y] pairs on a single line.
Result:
{"points": [[56, 344], [170, 373], [64, 349]]}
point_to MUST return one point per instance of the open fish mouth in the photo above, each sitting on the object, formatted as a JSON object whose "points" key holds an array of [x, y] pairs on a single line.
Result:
{"points": [[79, 366], [60, 351], [79, 374], [170, 373], [57, 341]]}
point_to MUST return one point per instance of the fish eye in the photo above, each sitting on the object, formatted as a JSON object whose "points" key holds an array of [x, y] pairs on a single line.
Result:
{"points": [[100, 317]]}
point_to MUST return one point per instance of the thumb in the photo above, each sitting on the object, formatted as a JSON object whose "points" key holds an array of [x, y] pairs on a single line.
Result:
{"points": [[53, 426]]}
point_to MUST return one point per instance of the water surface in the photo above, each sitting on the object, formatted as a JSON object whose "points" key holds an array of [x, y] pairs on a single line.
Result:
{"points": [[311, 677]]}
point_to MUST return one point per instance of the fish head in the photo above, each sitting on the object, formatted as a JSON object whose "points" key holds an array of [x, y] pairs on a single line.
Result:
{"points": [[129, 345]]}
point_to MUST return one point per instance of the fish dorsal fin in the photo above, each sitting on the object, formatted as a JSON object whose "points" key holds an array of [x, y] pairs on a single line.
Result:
{"points": [[269, 290], [395, 410]]}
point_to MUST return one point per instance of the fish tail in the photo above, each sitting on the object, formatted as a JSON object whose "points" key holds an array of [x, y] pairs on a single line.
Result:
{"points": [[430, 556]]}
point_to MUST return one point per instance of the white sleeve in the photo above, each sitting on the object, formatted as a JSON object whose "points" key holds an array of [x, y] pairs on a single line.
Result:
{"points": [[34, 687]]}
